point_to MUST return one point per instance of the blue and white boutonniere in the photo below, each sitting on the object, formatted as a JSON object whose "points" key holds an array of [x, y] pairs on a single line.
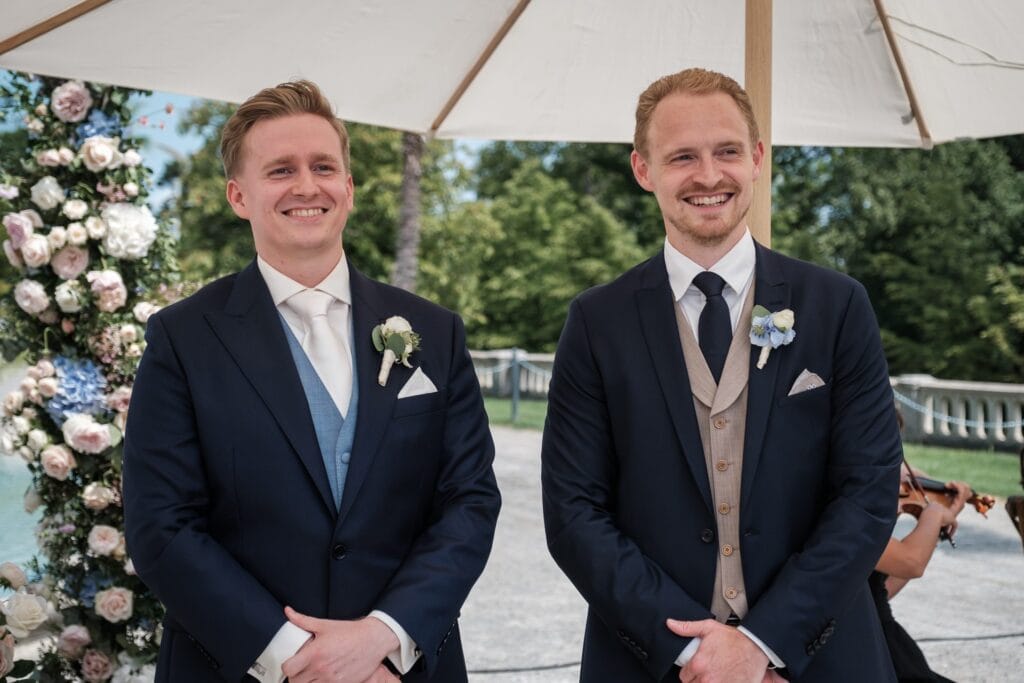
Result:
{"points": [[395, 339], [771, 330]]}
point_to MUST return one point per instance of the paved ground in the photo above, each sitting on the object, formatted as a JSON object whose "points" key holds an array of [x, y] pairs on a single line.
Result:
{"points": [[524, 620]]}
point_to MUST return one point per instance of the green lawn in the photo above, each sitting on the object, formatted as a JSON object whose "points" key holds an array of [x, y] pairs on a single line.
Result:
{"points": [[997, 474]]}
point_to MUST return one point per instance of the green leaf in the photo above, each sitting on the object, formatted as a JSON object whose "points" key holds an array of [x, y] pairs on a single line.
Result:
{"points": [[22, 667], [396, 344], [760, 311], [115, 435], [378, 341]]}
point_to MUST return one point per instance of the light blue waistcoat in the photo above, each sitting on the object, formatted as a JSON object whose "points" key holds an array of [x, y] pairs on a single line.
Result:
{"points": [[334, 433]]}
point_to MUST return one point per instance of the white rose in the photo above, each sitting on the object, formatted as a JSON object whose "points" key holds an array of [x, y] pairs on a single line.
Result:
{"points": [[65, 155], [69, 296], [131, 189], [70, 262], [13, 574], [13, 402], [143, 310], [57, 237], [58, 461], [7, 443], [85, 435], [99, 153], [13, 257], [8, 191], [48, 386], [48, 157], [21, 425], [114, 604], [45, 368], [109, 289], [32, 501], [75, 209], [37, 439], [96, 228], [31, 297], [27, 454], [130, 231], [132, 158], [35, 126], [47, 193], [77, 234], [128, 333], [129, 567], [96, 496], [41, 109], [36, 251], [784, 319], [25, 613], [19, 227], [396, 324], [103, 540], [33, 216]]}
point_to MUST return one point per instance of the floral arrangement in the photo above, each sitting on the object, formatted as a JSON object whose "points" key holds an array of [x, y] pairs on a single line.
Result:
{"points": [[396, 341], [771, 330], [91, 266]]}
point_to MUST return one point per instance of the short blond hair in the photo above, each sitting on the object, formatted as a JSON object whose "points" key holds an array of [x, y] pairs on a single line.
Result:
{"points": [[690, 82], [286, 99]]}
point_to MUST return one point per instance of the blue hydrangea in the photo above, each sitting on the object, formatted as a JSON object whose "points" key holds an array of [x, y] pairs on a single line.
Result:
{"points": [[80, 389], [92, 583], [99, 123]]}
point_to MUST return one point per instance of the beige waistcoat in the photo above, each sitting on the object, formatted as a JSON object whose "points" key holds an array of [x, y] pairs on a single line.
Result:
{"points": [[721, 415]]}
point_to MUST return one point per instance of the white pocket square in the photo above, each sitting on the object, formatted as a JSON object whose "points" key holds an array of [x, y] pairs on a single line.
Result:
{"points": [[417, 385], [805, 382]]}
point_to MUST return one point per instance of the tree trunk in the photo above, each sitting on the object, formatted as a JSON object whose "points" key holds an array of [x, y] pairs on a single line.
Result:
{"points": [[408, 241]]}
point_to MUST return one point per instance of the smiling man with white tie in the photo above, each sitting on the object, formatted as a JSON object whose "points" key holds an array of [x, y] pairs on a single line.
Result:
{"points": [[299, 512]]}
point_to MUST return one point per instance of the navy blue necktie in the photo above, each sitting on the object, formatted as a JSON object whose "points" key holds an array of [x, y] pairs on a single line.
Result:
{"points": [[714, 330]]}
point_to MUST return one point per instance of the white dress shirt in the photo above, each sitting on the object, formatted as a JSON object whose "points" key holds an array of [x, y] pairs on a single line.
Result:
{"points": [[290, 638], [737, 269]]}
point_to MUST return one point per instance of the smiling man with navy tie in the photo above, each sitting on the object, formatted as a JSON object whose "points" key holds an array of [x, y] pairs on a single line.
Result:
{"points": [[298, 513], [721, 454]]}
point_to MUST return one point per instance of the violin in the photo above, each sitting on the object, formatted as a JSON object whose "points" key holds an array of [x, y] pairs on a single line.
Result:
{"points": [[918, 492]]}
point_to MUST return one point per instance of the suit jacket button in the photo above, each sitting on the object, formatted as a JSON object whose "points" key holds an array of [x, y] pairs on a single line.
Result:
{"points": [[707, 535], [339, 551]]}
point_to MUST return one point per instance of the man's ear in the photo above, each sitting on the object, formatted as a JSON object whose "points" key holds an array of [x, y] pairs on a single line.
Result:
{"points": [[758, 156], [640, 171], [236, 198]]}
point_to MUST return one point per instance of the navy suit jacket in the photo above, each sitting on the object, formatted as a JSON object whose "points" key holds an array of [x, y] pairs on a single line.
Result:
{"points": [[228, 510], [627, 504]]}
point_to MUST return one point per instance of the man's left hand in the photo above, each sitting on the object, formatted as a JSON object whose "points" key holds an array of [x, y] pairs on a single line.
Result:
{"points": [[725, 655], [340, 651]]}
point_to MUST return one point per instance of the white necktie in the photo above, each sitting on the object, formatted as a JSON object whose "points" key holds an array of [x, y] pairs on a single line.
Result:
{"points": [[325, 344]]}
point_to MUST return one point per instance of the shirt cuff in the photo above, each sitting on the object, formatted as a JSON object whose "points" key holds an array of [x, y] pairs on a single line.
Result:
{"points": [[285, 643], [688, 652], [405, 655], [772, 657]]}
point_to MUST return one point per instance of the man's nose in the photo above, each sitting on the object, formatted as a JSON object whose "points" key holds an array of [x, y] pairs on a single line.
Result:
{"points": [[305, 184], [708, 173]]}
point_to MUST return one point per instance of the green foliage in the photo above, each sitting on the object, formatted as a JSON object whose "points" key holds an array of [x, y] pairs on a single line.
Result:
{"points": [[532, 412], [997, 474]]}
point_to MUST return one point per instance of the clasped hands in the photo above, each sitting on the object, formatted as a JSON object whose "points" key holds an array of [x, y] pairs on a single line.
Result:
{"points": [[725, 655], [341, 651]]}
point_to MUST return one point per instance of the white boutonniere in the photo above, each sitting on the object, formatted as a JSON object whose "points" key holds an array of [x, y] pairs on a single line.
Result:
{"points": [[396, 340], [771, 330]]}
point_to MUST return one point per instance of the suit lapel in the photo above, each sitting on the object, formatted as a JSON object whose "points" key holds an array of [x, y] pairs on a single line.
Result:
{"points": [[250, 329], [772, 292], [658, 322], [376, 403]]}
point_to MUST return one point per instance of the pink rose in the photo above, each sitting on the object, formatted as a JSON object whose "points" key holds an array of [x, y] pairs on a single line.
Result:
{"points": [[70, 262], [103, 540], [109, 288], [70, 101], [49, 157], [45, 368], [6, 654], [85, 435], [36, 251], [58, 461], [143, 310], [31, 297], [72, 641], [96, 666], [114, 604], [119, 398], [13, 256], [19, 227], [48, 387], [13, 574], [65, 155], [33, 216], [98, 497]]}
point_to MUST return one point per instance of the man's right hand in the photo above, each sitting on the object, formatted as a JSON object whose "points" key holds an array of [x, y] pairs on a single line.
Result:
{"points": [[382, 675]]}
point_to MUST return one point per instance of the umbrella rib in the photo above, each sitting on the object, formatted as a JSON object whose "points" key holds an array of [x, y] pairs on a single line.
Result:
{"points": [[47, 25], [471, 75], [908, 87]]}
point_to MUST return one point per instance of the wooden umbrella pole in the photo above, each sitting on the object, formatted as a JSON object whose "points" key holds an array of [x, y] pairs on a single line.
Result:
{"points": [[758, 84], [47, 25], [908, 87]]}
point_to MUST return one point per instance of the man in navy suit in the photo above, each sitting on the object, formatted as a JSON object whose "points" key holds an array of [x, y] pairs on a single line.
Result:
{"points": [[721, 455], [296, 514]]}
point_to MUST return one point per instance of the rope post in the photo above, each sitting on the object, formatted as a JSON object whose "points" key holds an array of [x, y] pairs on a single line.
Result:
{"points": [[515, 385]]}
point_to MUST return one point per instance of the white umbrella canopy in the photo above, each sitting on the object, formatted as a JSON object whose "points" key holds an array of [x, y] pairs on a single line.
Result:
{"points": [[564, 70]]}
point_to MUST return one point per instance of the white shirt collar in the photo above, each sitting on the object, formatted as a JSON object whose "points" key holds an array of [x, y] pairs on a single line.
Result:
{"points": [[736, 267], [282, 287]]}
